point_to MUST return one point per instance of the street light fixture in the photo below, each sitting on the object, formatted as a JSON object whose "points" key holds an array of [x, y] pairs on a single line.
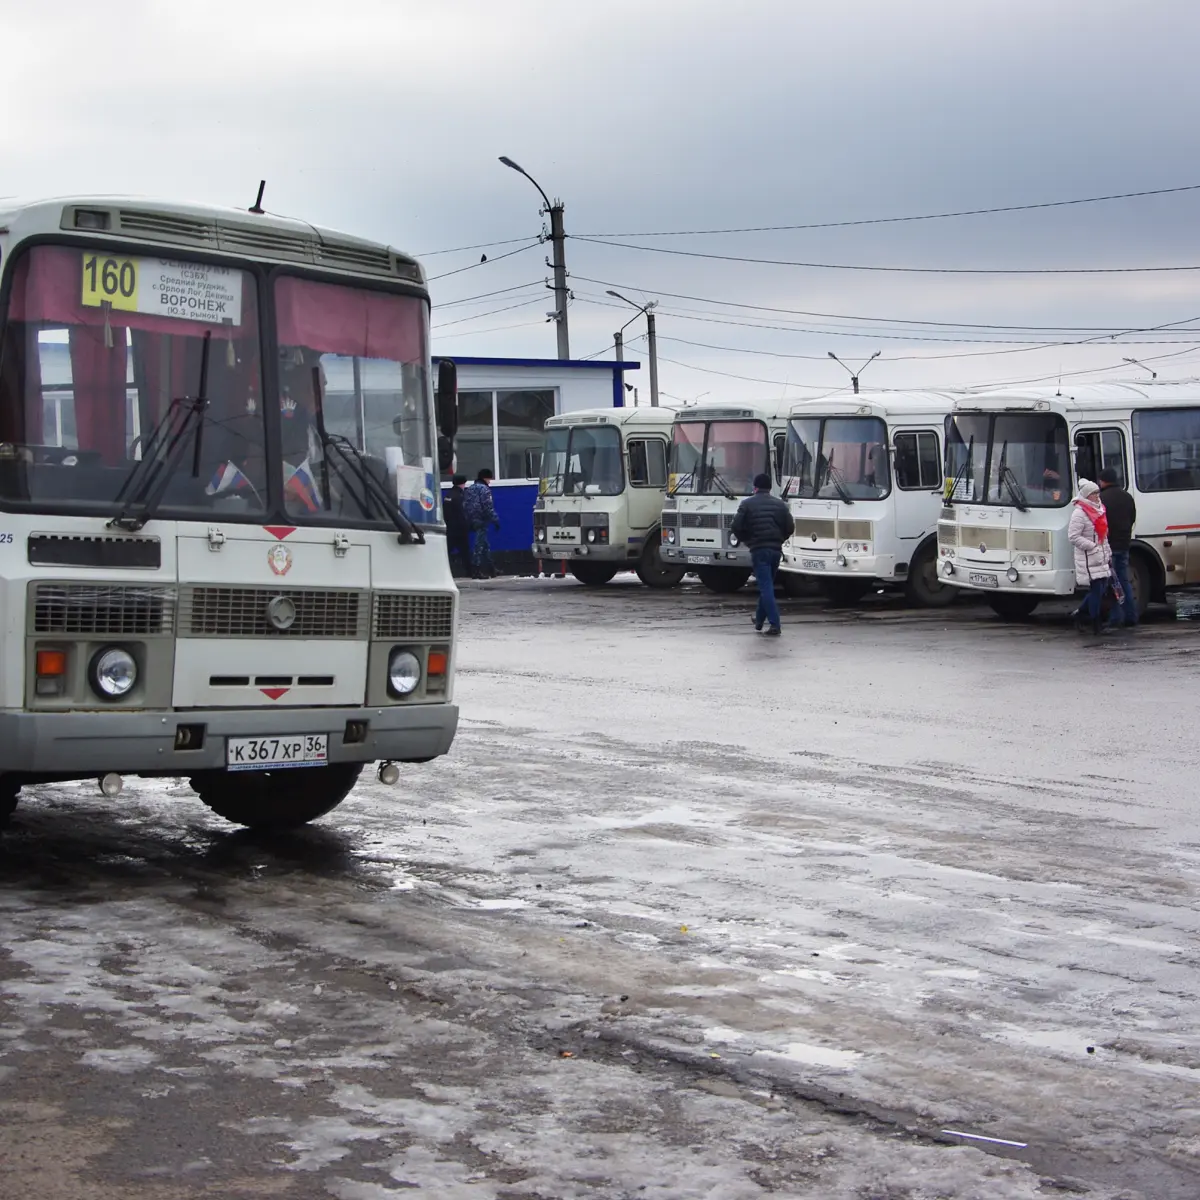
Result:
{"points": [[558, 239], [648, 310], [854, 374], [1134, 361]]}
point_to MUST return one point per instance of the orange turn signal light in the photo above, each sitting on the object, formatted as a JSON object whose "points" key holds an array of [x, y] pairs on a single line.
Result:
{"points": [[438, 661], [51, 662]]}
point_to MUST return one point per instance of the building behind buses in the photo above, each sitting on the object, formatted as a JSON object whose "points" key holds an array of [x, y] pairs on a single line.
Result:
{"points": [[716, 451], [603, 478], [862, 476], [1013, 463]]}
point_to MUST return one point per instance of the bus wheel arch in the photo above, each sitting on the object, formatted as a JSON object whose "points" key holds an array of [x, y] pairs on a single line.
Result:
{"points": [[1146, 576], [276, 799], [10, 792], [923, 587], [651, 569]]}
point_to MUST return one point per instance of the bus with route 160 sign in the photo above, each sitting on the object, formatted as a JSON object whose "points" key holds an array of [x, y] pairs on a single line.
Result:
{"points": [[603, 477], [221, 549], [1014, 460], [862, 476]]}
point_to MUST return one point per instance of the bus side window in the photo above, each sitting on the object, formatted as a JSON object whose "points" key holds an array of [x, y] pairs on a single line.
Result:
{"points": [[918, 461], [648, 463], [1096, 449], [638, 470]]}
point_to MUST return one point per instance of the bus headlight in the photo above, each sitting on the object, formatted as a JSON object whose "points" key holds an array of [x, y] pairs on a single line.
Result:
{"points": [[1013, 574], [591, 535], [733, 539], [404, 672], [947, 567], [541, 535], [671, 536], [112, 673]]}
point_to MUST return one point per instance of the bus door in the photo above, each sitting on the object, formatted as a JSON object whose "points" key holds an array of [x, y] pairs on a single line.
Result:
{"points": [[918, 462]]}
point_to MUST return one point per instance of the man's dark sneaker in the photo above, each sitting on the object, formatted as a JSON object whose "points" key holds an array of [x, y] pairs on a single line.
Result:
{"points": [[774, 631], [757, 626]]}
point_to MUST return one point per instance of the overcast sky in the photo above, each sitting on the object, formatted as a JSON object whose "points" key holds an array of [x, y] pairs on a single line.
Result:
{"points": [[385, 118]]}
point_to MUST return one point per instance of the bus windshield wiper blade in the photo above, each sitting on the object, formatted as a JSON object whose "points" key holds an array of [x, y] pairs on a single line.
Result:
{"points": [[148, 480], [1005, 475], [961, 473], [717, 480], [834, 475]]}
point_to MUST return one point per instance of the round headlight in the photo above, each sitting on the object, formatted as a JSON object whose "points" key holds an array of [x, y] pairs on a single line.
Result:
{"points": [[671, 536], [1012, 574], [947, 568], [113, 673], [541, 535], [404, 672], [733, 539], [591, 535]]}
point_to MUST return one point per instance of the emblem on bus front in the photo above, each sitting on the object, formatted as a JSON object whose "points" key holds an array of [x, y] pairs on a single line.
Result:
{"points": [[279, 559], [281, 612]]}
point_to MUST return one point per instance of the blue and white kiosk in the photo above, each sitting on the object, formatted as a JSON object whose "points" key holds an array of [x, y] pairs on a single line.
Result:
{"points": [[503, 404]]}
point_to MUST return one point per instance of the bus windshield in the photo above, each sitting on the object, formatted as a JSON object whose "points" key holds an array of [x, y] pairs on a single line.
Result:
{"points": [[102, 352], [842, 458], [718, 457], [582, 461], [1018, 459]]}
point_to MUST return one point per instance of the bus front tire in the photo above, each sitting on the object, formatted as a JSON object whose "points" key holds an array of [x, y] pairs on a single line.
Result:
{"points": [[723, 579], [844, 591], [923, 588], [276, 799], [794, 585], [592, 574], [651, 569], [1012, 607], [1140, 582]]}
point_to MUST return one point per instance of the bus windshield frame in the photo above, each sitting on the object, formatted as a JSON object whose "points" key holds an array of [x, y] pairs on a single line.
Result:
{"points": [[696, 463], [1009, 464], [598, 450], [834, 457], [95, 361]]}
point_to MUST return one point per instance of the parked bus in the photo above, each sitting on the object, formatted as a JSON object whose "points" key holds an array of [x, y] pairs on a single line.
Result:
{"points": [[863, 478], [716, 451], [221, 548], [1014, 460], [604, 474]]}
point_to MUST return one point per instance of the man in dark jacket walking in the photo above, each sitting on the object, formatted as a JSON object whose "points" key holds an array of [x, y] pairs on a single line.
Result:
{"points": [[480, 511], [458, 534], [1121, 510], [763, 523]]}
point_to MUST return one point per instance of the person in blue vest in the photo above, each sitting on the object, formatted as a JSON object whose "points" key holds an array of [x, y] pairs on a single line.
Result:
{"points": [[480, 510]]}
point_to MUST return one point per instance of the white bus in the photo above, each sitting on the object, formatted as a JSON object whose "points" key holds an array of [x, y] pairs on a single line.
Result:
{"points": [[221, 549], [604, 474], [716, 452], [863, 478], [1013, 463]]}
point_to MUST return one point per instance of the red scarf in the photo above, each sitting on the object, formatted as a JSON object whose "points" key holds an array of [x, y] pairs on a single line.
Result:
{"points": [[1097, 516]]}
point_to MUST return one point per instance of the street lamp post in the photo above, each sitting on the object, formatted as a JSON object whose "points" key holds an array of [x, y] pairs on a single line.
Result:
{"points": [[648, 310], [558, 239], [853, 374]]}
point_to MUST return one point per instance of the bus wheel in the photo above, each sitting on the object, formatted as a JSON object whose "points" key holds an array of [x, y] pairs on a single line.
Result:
{"points": [[651, 569], [1139, 581], [1012, 607], [592, 574], [723, 579], [795, 586], [923, 588], [844, 591], [276, 799]]}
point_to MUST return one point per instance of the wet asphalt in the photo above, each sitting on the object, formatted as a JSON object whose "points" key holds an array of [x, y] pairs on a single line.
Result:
{"points": [[687, 912]]}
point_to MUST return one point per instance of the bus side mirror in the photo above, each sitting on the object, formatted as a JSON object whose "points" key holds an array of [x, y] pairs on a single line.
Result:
{"points": [[447, 399], [445, 453]]}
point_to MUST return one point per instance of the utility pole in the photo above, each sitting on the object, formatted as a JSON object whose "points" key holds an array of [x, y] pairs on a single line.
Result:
{"points": [[618, 346], [647, 310], [558, 260]]}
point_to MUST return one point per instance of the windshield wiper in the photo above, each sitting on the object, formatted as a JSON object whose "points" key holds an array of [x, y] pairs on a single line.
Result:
{"points": [[148, 480], [372, 488], [717, 480], [1008, 475], [680, 476], [834, 475], [949, 497]]}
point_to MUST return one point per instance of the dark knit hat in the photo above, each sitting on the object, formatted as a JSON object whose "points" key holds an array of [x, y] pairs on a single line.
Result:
{"points": [[762, 483], [1108, 475]]}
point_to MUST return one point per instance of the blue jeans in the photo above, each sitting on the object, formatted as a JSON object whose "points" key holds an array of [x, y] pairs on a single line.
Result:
{"points": [[766, 563], [1129, 606], [1091, 602]]}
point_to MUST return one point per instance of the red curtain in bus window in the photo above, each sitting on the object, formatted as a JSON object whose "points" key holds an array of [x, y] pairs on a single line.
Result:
{"points": [[350, 321], [98, 372]]}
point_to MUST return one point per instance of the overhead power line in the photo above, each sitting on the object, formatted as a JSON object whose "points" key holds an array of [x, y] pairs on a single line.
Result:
{"points": [[491, 312], [487, 262], [940, 216], [516, 287], [818, 266], [476, 246]]}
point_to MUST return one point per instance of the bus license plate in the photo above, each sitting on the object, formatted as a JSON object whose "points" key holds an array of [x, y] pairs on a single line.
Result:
{"points": [[812, 564], [698, 558], [982, 579], [275, 753]]}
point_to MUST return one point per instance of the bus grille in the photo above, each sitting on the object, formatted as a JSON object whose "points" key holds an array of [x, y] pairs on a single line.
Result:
{"points": [[416, 616], [242, 612], [84, 610], [815, 527], [994, 537]]}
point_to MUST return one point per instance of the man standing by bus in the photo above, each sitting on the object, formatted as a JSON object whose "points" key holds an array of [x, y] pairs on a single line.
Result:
{"points": [[458, 533], [480, 510], [762, 524], [1121, 510]]}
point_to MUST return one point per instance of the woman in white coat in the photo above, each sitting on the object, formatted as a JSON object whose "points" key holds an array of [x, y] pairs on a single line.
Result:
{"points": [[1088, 534]]}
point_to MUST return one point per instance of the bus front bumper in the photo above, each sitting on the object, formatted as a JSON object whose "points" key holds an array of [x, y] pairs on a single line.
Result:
{"points": [[826, 566], [588, 553], [83, 744], [993, 577], [690, 557]]}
